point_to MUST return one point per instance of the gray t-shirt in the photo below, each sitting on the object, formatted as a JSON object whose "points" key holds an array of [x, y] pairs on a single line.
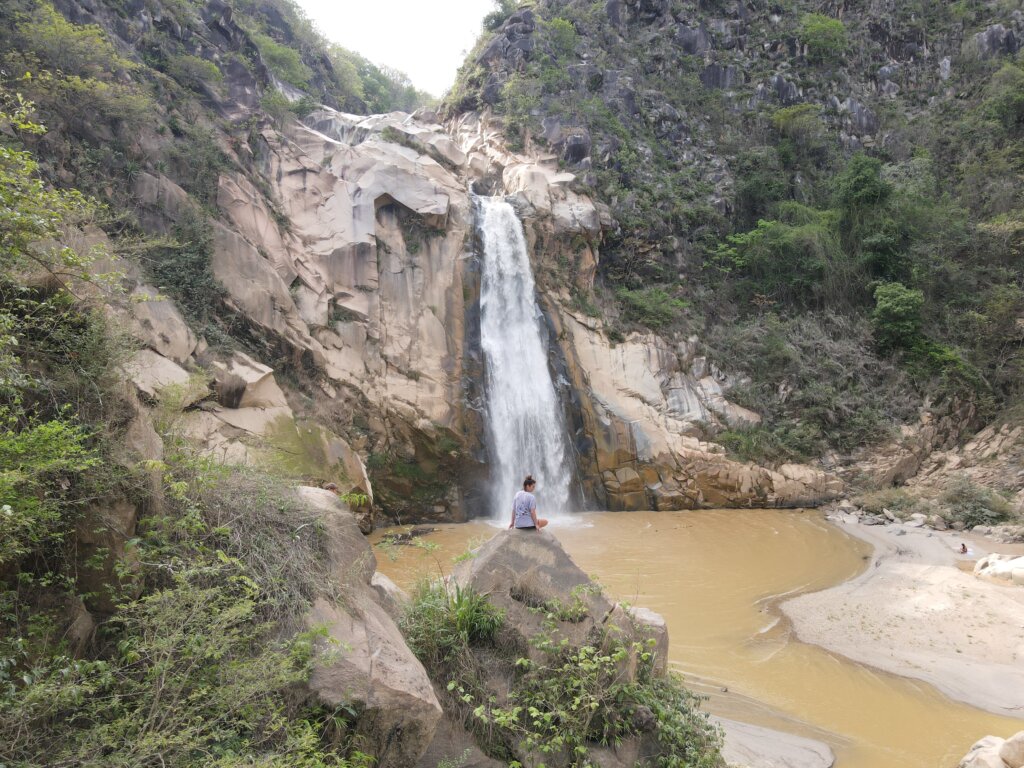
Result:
{"points": [[522, 505]]}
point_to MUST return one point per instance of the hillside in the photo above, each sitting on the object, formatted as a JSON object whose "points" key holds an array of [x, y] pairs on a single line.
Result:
{"points": [[777, 251], [828, 193]]}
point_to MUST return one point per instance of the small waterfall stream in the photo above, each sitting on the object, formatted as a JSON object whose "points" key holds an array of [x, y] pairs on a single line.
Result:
{"points": [[525, 426]]}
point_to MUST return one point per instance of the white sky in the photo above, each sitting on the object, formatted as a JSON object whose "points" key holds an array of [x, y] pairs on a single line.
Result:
{"points": [[426, 40]]}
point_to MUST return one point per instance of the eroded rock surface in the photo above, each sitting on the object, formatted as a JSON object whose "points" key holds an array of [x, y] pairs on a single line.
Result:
{"points": [[366, 664]]}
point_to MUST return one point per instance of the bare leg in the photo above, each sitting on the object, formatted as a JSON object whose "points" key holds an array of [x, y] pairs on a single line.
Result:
{"points": [[541, 522]]}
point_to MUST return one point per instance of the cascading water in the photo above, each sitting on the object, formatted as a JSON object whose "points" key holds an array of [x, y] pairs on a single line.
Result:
{"points": [[525, 425]]}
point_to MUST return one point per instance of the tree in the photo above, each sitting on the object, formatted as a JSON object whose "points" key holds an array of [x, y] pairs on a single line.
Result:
{"points": [[824, 37], [897, 316]]}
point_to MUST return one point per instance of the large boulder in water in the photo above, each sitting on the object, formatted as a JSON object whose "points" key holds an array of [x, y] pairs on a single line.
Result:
{"points": [[529, 576], [994, 752]]}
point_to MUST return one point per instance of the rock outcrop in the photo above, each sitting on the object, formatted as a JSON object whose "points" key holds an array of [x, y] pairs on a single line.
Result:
{"points": [[365, 664], [994, 752], [1006, 568]]}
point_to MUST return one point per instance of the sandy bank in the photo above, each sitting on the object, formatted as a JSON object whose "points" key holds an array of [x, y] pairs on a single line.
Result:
{"points": [[915, 612]]}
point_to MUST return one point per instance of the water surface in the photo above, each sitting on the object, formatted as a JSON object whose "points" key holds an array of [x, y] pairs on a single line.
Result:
{"points": [[716, 576]]}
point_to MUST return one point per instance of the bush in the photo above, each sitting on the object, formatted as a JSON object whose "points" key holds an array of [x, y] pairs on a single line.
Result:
{"points": [[575, 699], [283, 61], [973, 504], [824, 37], [193, 72], [775, 444], [182, 269], [654, 307], [897, 316], [441, 626], [195, 677]]}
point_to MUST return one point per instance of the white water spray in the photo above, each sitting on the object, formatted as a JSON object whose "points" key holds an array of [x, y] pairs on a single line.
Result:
{"points": [[525, 425]]}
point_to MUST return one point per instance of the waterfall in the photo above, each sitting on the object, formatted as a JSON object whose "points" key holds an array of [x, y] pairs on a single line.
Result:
{"points": [[525, 427]]}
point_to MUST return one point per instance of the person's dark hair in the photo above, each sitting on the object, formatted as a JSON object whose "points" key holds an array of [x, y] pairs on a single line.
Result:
{"points": [[528, 482]]}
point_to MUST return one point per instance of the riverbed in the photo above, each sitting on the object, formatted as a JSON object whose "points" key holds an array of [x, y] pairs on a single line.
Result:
{"points": [[717, 577]]}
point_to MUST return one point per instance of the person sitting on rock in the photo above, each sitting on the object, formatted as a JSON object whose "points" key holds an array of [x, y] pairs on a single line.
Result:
{"points": [[524, 508]]}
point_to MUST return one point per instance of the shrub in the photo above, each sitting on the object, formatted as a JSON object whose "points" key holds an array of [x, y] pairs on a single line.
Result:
{"points": [[195, 676], [973, 504], [283, 61], [193, 72], [575, 699], [775, 444], [502, 10], [182, 268], [440, 625], [563, 37], [897, 316], [1004, 100], [654, 307], [824, 37]]}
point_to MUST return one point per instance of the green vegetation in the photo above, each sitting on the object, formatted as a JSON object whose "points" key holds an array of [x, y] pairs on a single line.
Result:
{"points": [[824, 37], [973, 505], [283, 61], [654, 307], [901, 256], [566, 700], [193, 667]]}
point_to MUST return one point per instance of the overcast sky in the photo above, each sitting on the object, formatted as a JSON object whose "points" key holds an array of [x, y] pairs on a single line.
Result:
{"points": [[426, 40]]}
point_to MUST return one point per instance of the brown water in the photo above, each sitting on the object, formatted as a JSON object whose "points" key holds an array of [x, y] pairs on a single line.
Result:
{"points": [[715, 576]]}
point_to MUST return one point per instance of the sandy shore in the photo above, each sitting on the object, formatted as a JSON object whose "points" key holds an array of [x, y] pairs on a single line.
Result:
{"points": [[915, 612]]}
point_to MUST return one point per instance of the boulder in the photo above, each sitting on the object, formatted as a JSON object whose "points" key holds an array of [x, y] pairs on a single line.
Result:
{"points": [[364, 663], [367, 666], [152, 373], [391, 597], [245, 383], [985, 754], [1012, 750], [159, 325], [454, 745], [1002, 567], [522, 571]]}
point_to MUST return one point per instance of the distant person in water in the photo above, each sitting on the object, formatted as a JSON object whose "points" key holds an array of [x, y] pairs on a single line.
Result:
{"points": [[524, 508]]}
